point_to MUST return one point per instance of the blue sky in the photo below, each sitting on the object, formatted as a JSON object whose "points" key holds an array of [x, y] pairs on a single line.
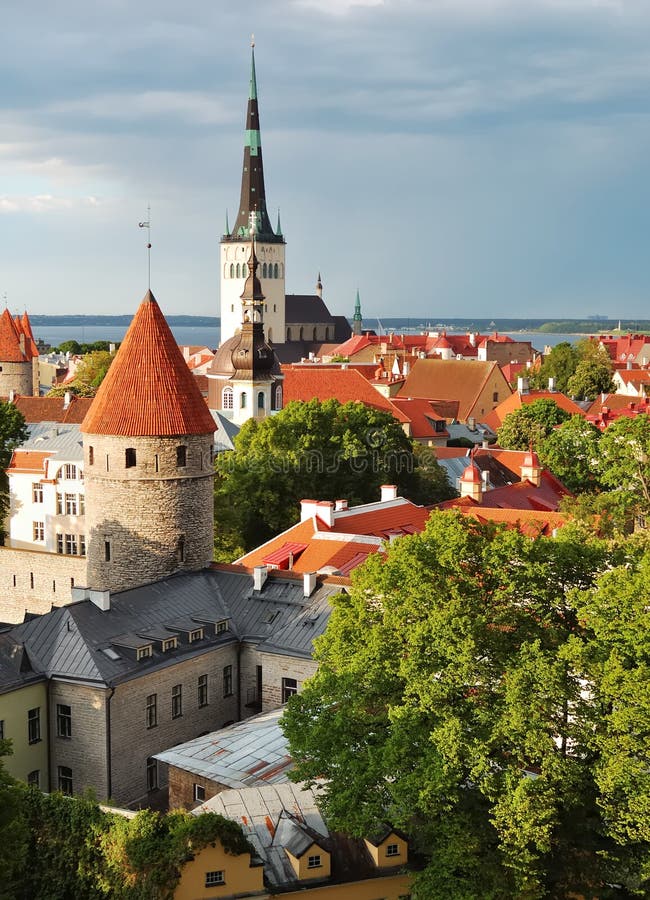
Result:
{"points": [[446, 157]]}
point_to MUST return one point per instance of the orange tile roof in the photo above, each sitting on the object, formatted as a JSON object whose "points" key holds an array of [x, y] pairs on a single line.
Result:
{"points": [[148, 389], [422, 416], [28, 461], [461, 380], [344, 385], [380, 521], [9, 341], [528, 521], [53, 409], [523, 495], [494, 419]]}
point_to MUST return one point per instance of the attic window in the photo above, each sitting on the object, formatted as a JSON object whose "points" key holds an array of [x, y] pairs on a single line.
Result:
{"points": [[108, 651], [144, 652], [196, 635], [169, 644], [314, 862], [392, 850], [221, 627]]}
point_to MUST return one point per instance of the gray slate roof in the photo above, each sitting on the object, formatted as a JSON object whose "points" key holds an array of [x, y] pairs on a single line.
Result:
{"points": [[71, 641], [250, 753], [56, 438]]}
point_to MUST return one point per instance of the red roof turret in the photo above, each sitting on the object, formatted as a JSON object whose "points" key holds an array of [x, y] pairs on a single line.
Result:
{"points": [[148, 390], [9, 340]]}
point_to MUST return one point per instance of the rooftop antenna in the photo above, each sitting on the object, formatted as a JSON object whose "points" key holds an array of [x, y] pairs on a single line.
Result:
{"points": [[147, 225]]}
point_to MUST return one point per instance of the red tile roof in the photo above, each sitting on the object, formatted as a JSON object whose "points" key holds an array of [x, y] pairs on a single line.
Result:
{"points": [[148, 389], [422, 416], [344, 385], [28, 461], [494, 419], [9, 340], [451, 380], [522, 495], [53, 409]]}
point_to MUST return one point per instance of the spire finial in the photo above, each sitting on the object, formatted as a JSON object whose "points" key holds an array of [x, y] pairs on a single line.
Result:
{"points": [[147, 225], [252, 41]]}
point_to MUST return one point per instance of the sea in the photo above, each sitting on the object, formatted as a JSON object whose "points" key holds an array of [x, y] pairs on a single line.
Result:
{"points": [[209, 336]]}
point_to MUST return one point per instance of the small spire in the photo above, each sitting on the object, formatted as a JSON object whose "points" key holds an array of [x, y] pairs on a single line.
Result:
{"points": [[252, 93], [357, 319], [227, 225], [319, 286], [278, 229]]}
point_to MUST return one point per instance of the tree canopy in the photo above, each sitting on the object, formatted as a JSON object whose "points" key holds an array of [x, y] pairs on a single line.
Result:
{"points": [[530, 424], [571, 452], [472, 690], [323, 451], [559, 364], [580, 370], [88, 376]]}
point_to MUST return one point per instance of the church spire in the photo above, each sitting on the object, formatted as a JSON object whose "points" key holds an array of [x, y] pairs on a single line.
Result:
{"points": [[253, 194], [357, 320]]}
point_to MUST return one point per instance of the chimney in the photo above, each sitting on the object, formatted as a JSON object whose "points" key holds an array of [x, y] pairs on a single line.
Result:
{"points": [[551, 383], [522, 385], [388, 492], [485, 478], [325, 512], [531, 469], [111, 347], [628, 365], [186, 352], [260, 574], [67, 397], [340, 505], [308, 583], [472, 338], [12, 396], [485, 444], [101, 599], [407, 368]]}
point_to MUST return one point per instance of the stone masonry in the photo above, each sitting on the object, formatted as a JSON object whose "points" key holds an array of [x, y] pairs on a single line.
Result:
{"points": [[33, 581]]}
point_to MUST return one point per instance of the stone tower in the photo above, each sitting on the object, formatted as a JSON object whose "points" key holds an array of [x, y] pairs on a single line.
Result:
{"points": [[18, 357], [270, 244], [245, 379], [148, 462]]}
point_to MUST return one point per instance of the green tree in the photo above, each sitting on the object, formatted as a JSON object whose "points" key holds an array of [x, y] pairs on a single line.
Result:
{"points": [[317, 450], [89, 375], [625, 460], [593, 374], [571, 452], [560, 364], [530, 424], [13, 831], [450, 701]]}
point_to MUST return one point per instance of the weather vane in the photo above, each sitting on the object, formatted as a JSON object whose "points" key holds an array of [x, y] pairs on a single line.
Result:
{"points": [[147, 225]]}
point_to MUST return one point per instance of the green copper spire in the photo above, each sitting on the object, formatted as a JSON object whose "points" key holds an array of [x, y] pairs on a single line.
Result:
{"points": [[252, 93], [227, 225], [357, 320], [278, 229]]}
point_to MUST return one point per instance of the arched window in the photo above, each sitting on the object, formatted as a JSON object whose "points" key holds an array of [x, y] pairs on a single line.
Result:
{"points": [[244, 270], [275, 270], [232, 270], [260, 400], [263, 270], [288, 334], [242, 400], [226, 398], [278, 396], [238, 270]]}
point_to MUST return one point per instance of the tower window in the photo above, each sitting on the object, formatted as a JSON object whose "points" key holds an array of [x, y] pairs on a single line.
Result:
{"points": [[242, 400], [181, 456], [107, 550], [244, 270], [129, 457], [238, 270], [227, 398], [260, 400], [275, 270], [264, 270], [91, 456]]}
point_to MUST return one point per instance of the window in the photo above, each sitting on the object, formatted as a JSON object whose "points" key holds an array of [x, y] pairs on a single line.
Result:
{"points": [[70, 472], [181, 551], [59, 543], [65, 779], [82, 504], [34, 778], [169, 644], [196, 635], [63, 720], [156, 464], [199, 792], [71, 504], [107, 550], [242, 400], [2, 729], [181, 456], [129, 457], [143, 653], [214, 878], [260, 400], [151, 711], [59, 504], [34, 725], [38, 529], [37, 492], [392, 850], [264, 270], [275, 270], [227, 398], [221, 627], [203, 692], [278, 397], [152, 774], [289, 688], [82, 545], [313, 862], [495, 397], [244, 270], [177, 701], [232, 270], [238, 270], [227, 681], [91, 456], [71, 544]]}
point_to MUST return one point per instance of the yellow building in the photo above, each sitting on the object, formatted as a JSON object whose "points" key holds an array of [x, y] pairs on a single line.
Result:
{"points": [[23, 714]]}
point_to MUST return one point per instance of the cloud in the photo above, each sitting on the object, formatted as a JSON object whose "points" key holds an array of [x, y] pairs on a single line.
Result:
{"points": [[195, 107], [46, 203]]}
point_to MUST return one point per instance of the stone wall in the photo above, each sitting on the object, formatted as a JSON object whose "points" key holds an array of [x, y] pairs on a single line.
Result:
{"points": [[16, 376], [85, 751], [152, 518], [32, 581], [181, 788], [275, 667], [132, 742]]}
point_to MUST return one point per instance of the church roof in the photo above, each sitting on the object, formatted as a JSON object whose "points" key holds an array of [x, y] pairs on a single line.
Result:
{"points": [[148, 389], [9, 341], [306, 308]]}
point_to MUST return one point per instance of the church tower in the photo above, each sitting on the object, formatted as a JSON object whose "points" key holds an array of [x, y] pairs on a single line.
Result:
{"points": [[148, 469], [357, 318], [270, 244]]}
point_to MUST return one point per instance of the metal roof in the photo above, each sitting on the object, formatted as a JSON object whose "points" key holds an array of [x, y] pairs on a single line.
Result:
{"points": [[63, 441]]}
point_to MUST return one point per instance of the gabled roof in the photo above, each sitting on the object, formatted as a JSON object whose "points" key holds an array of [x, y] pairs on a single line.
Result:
{"points": [[28, 461], [148, 389], [9, 340], [344, 385], [307, 308], [422, 416], [53, 409], [522, 495], [460, 380], [495, 418]]}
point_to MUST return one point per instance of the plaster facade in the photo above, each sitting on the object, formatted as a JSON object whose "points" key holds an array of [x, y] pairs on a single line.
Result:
{"points": [[234, 257]]}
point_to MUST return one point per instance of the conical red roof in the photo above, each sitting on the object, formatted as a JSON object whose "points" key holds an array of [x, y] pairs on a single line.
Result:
{"points": [[9, 340], [148, 390]]}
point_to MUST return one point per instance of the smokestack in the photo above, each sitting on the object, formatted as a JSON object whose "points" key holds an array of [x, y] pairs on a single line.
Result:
{"points": [[260, 574]]}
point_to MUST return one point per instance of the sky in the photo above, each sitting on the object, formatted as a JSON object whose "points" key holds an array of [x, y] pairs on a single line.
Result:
{"points": [[446, 157]]}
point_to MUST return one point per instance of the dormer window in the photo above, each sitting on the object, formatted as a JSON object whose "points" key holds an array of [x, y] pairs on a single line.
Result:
{"points": [[392, 850], [220, 627], [196, 635], [144, 652], [169, 644], [314, 861]]}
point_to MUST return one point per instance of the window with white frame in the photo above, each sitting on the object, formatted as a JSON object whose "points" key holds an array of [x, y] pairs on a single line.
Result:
{"points": [[71, 505], [214, 878], [37, 492], [82, 545], [314, 861], [198, 792], [392, 850], [71, 544], [59, 543], [227, 398], [38, 531], [70, 472], [289, 688]]}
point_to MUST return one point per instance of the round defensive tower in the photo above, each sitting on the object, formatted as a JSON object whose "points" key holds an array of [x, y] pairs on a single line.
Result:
{"points": [[148, 440], [16, 369]]}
